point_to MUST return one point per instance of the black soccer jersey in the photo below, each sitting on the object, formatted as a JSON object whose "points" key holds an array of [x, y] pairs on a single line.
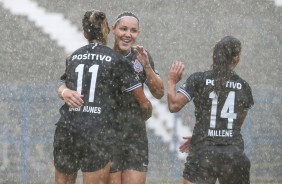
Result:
{"points": [[218, 117], [99, 74], [131, 149], [137, 66], [129, 106]]}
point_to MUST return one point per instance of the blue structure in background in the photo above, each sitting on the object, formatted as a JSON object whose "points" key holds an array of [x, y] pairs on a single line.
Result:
{"points": [[25, 133]]}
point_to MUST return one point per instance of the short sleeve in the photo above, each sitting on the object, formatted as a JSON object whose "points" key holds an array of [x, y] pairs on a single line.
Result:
{"points": [[64, 76], [249, 96], [189, 87]]}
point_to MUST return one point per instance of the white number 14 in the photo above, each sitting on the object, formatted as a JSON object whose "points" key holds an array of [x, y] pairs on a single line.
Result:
{"points": [[227, 109]]}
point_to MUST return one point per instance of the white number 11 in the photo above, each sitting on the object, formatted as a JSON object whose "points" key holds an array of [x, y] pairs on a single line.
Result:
{"points": [[94, 70], [227, 109]]}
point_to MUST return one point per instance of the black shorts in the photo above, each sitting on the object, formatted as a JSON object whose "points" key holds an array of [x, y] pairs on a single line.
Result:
{"points": [[206, 166], [73, 152], [130, 153]]}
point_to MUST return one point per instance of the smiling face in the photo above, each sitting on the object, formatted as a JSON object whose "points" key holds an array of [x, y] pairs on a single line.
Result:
{"points": [[126, 31]]}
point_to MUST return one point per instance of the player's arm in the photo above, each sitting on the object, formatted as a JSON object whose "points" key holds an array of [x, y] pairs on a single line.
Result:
{"points": [[71, 97], [154, 82], [144, 103], [176, 101], [242, 116], [248, 104]]}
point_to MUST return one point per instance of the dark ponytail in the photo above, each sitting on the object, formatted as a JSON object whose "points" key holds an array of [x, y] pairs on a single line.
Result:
{"points": [[95, 24], [223, 53]]}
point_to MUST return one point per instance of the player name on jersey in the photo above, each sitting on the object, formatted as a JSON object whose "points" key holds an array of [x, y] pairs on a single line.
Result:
{"points": [[90, 56], [229, 84], [88, 109], [220, 133]]}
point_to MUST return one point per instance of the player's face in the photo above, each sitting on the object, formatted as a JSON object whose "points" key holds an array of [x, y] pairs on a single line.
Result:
{"points": [[125, 32]]}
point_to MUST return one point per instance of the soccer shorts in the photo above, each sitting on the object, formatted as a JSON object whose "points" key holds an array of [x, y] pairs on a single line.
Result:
{"points": [[207, 166], [130, 153], [73, 152]]}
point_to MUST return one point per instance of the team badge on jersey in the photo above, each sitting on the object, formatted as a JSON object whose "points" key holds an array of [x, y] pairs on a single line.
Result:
{"points": [[137, 66]]}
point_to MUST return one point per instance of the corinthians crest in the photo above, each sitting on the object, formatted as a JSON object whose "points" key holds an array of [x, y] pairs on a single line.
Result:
{"points": [[137, 66]]}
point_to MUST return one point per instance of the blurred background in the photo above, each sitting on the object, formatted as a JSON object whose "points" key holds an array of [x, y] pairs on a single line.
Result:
{"points": [[37, 35]]}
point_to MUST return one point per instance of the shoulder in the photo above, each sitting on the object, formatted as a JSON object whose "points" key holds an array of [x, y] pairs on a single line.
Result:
{"points": [[245, 83], [200, 75], [81, 49], [247, 87], [242, 81], [198, 79], [68, 59], [92, 48]]}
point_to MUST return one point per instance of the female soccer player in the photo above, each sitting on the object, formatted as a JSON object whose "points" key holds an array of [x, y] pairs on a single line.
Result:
{"points": [[96, 74], [222, 100], [130, 154]]}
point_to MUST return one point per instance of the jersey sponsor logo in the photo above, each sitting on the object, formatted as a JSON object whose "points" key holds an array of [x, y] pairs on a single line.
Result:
{"points": [[209, 82], [137, 66], [90, 56], [233, 85], [220, 133], [229, 84], [88, 109]]}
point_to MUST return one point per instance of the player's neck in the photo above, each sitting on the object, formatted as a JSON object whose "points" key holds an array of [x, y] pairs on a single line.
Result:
{"points": [[96, 41], [122, 52]]}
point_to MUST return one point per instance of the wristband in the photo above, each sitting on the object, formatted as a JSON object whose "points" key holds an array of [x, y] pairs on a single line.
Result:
{"points": [[64, 92]]}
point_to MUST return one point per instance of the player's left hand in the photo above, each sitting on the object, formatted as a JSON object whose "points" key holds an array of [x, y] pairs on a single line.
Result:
{"points": [[176, 72], [142, 56]]}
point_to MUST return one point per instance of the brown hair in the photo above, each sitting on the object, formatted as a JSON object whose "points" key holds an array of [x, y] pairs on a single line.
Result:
{"points": [[223, 53], [95, 24]]}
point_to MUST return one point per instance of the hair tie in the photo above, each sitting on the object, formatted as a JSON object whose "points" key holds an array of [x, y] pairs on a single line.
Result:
{"points": [[126, 16]]}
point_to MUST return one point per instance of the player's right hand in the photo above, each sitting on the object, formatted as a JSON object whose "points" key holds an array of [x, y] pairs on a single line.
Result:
{"points": [[73, 98], [176, 72]]}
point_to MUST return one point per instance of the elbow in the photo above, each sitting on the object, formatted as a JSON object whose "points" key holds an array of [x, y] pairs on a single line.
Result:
{"points": [[147, 110], [173, 108], [156, 88], [159, 93], [173, 104]]}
